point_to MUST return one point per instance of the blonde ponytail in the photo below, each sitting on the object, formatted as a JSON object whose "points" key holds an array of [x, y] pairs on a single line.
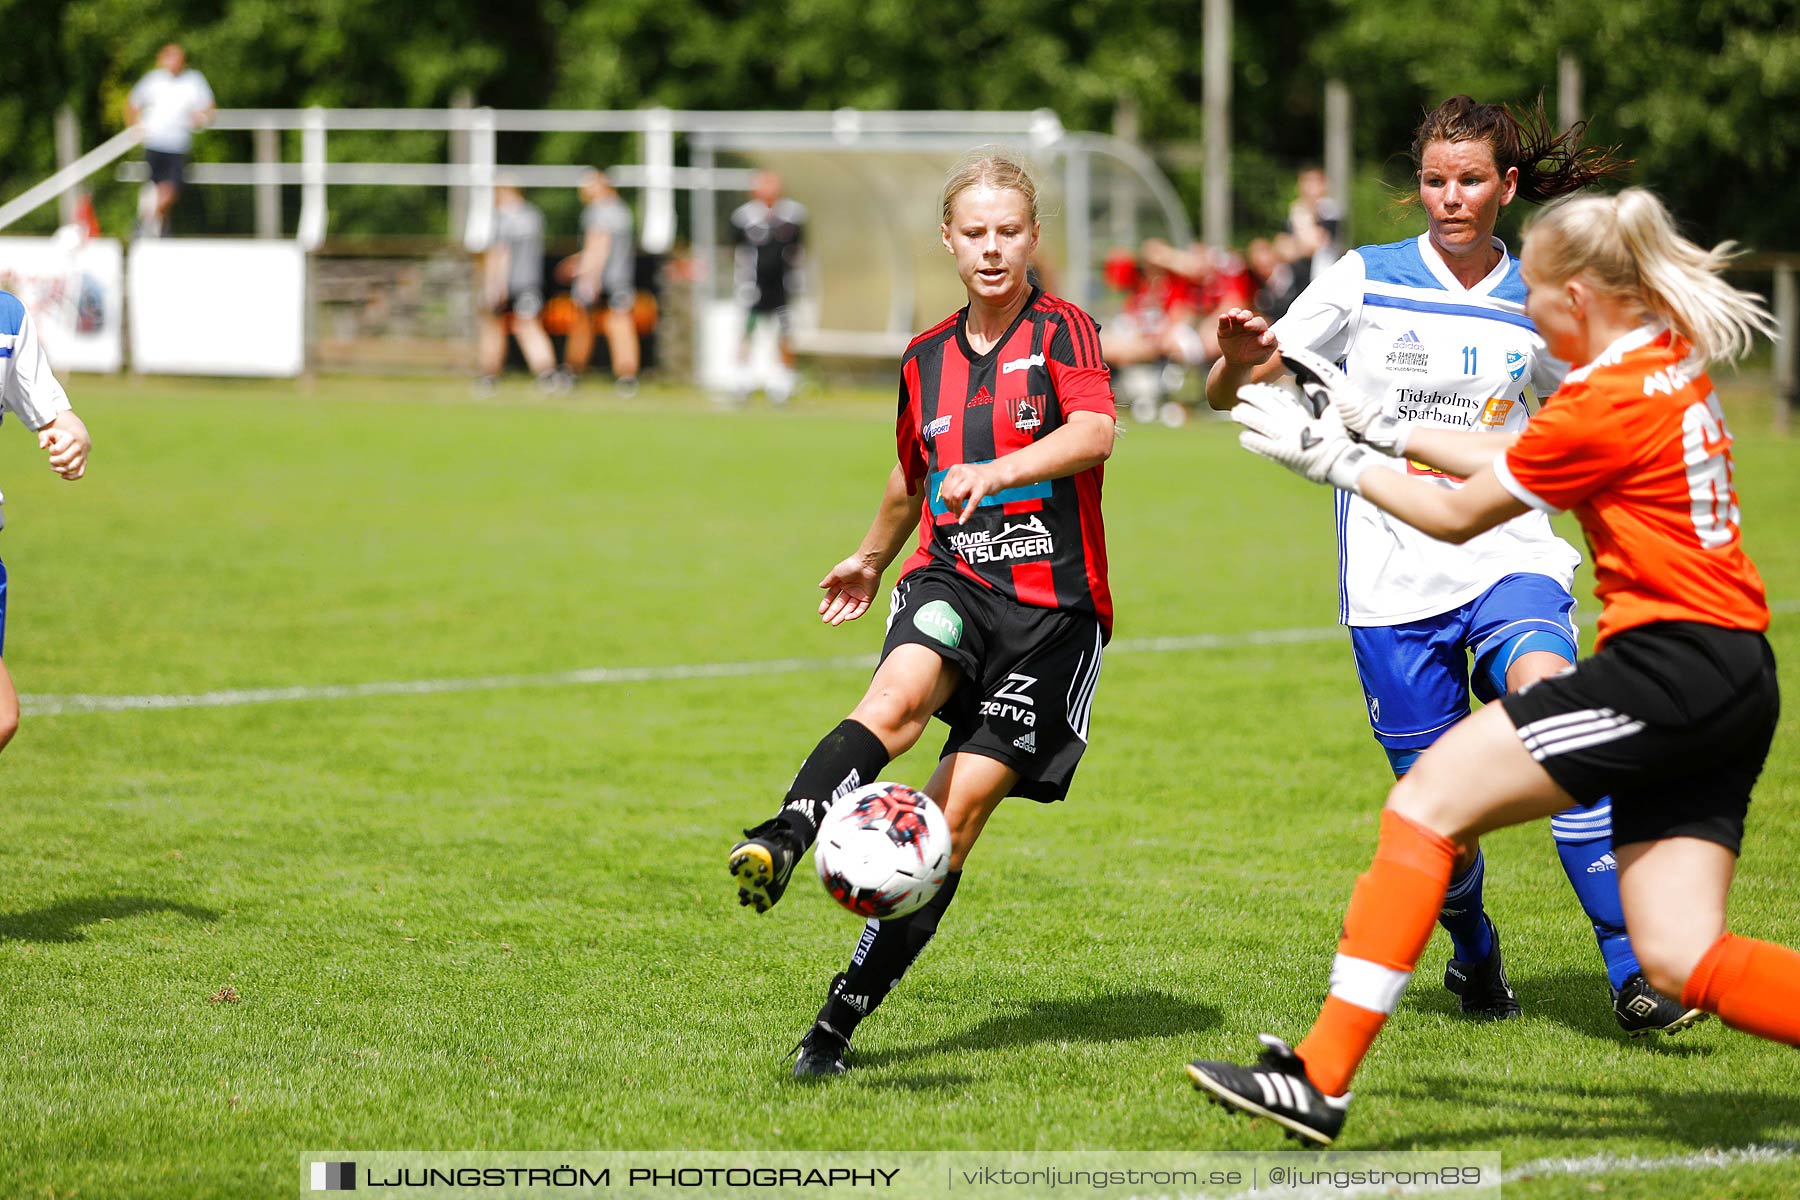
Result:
{"points": [[1628, 246]]}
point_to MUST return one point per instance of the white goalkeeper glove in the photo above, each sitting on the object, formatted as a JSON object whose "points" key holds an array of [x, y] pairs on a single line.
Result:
{"points": [[1277, 426], [1326, 389]]}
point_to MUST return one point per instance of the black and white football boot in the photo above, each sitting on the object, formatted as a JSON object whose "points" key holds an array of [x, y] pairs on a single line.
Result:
{"points": [[821, 1053], [1276, 1088], [1641, 1010], [762, 862], [1482, 987]]}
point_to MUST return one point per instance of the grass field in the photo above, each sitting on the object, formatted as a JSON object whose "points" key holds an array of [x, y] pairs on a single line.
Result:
{"points": [[497, 918]]}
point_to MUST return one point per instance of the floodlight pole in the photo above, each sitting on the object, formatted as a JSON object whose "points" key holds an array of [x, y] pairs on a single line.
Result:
{"points": [[1787, 345], [1080, 213], [1568, 88], [1215, 36], [1337, 152], [68, 149]]}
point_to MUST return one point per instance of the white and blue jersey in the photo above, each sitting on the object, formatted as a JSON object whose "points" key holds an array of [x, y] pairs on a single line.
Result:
{"points": [[28, 390], [1442, 355]]}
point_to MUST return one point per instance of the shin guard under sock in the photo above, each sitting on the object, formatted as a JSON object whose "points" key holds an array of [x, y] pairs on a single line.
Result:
{"points": [[883, 954], [1753, 986], [1385, 930], [845, 759]]}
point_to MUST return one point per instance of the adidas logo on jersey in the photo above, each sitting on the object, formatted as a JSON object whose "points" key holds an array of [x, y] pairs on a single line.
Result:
{"points": [[1028, 743], [1408, 354]]}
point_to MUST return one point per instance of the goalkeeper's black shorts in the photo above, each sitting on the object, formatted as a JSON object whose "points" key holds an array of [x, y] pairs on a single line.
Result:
{"points": [[1673, 720]]}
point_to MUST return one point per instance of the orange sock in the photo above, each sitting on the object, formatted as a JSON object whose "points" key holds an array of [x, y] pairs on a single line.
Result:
{"points": [[1391, 915], [1753, 986]]}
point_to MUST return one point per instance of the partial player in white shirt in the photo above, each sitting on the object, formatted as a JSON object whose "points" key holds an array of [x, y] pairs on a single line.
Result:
{"points": [[1434, 330], [31, 393], [170, 103]]}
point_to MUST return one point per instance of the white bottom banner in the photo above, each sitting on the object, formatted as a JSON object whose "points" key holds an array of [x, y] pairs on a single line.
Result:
{"points": [[901, 1175]]}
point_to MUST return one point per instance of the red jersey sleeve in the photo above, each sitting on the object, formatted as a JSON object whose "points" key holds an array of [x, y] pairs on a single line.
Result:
{"points": [[1575, 446], [1082, 380], [908, 435]]}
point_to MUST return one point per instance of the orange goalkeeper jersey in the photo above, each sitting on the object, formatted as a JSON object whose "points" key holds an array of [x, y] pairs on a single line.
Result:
{"points": [[1635, 444]]}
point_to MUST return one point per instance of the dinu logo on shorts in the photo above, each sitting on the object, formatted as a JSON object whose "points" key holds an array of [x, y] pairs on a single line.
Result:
{"points": [[938, 620]]}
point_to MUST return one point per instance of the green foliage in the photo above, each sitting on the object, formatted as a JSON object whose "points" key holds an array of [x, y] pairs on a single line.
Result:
{"points": [[1705, 96]]}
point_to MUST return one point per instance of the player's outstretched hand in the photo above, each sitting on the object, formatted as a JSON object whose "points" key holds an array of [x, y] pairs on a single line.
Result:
{"points": [[1326, 387], [1245, 338], [1278, 427], [850, 587], [67, 442], [964, 487]]}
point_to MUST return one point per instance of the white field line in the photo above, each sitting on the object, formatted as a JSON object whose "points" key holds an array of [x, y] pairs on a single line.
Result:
{"points": [[60, 705], [1621, 1164]]}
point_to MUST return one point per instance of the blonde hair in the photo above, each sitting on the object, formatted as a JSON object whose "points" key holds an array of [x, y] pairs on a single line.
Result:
{"points": [[990, 166], [1628, 246]]}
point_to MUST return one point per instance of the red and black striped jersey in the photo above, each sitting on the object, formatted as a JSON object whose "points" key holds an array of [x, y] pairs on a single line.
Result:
{"points": [[1042, 544]]}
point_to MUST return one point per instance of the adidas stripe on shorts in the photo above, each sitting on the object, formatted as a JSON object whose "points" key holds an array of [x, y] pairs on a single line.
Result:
{"points": [[1029, 674], [1673, 719]]}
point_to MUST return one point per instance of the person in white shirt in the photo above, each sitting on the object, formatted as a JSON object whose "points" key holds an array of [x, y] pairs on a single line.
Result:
{"points": [[170, 103], [31, 393], [1436, 326]]}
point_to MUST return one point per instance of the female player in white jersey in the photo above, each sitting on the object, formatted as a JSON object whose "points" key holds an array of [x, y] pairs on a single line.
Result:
{"points": [[31, 393], [1436, 327]]}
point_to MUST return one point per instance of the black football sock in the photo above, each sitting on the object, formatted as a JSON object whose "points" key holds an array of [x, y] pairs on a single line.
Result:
{"points": [[883, 954], [845, 759]]}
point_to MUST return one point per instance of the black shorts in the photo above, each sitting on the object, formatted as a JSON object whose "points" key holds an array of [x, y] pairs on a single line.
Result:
{"points": [[780, 313], [165, 166], [1673, 720], [1029, 674], [524, 305]]}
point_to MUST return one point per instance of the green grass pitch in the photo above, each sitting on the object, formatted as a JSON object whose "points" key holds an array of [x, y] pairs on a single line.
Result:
{"points": [[500, 919]]}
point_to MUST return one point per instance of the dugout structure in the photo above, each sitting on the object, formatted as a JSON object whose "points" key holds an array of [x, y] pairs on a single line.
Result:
{"points": [[876, 272]]}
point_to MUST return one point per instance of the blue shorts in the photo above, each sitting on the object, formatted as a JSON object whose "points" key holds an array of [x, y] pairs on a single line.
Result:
{"points": [[2, 608], [1416, 677]]}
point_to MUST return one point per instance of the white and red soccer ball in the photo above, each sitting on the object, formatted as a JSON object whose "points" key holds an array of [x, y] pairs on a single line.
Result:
{"points": [[884, 851]]}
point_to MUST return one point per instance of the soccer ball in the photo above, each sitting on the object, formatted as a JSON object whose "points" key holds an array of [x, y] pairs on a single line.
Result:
{"points": [[884, 851]]}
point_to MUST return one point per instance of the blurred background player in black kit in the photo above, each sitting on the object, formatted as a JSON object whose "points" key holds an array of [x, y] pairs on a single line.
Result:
{"points": [[513, 286], [603, 276], [770, 232], [997, 622]]}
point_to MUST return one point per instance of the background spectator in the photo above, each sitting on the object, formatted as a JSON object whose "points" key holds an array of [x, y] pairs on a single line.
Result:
{"points": [[170, 102], [513, 287], [602, 276]]}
